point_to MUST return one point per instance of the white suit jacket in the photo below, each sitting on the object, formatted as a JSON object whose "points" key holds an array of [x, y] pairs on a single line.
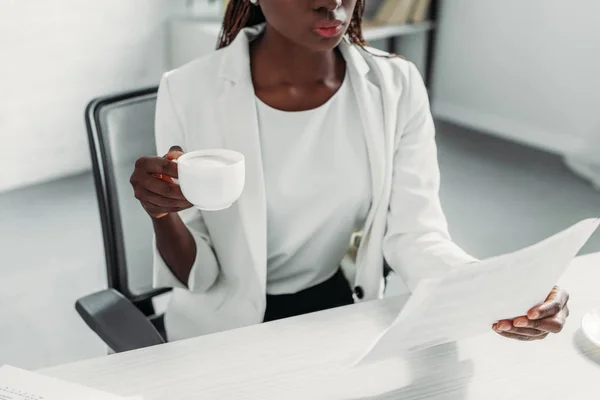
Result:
{"points": [[210, 103]]}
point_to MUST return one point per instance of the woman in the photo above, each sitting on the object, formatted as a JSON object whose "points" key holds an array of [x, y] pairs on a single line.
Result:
{"points": [[338, 138]]}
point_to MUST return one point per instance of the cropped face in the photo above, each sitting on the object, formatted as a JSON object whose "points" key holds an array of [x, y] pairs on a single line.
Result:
{"points": [[317, 25]]}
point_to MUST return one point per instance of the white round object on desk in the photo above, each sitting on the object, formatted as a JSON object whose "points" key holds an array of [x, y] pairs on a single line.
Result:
{"points": [[590, 325], [211, 180]]}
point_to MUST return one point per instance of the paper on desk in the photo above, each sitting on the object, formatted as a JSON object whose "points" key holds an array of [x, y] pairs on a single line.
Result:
{"points": [[17, 384], [469, 299]]}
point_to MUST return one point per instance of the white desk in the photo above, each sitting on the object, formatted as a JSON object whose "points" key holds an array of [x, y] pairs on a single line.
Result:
{"points": [[305, 357]]}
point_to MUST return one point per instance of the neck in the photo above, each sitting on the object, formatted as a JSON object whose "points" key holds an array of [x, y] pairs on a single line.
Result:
{"points": [[278, 60]]}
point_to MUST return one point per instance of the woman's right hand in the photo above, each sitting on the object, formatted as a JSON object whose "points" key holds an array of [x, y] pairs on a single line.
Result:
{"points": [[153, 188]]}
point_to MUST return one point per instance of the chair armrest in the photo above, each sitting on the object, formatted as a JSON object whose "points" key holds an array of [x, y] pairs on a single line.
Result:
{"points": [[117, 321]]}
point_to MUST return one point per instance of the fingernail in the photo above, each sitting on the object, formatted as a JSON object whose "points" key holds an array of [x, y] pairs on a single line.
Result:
{"points": [[520, 323], [534, 314], [503, 327]]}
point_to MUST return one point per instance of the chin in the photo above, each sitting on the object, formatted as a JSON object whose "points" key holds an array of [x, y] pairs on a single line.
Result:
{"points": [[324, 44]]}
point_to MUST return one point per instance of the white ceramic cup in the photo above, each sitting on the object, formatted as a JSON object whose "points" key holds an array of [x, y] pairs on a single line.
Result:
{"points": [[211, 180]]}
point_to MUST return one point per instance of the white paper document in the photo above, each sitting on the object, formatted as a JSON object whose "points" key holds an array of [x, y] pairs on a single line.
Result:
{"points": [[470, 298], [17, 384]]}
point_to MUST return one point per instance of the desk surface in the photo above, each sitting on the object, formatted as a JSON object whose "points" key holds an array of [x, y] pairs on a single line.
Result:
{"points": [[308, 356]]}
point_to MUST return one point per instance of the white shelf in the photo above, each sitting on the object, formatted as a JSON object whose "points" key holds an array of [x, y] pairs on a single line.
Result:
{"points": [[372, 33]]}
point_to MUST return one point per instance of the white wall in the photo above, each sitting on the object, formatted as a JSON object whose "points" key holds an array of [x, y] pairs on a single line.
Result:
{"points": [[55, 56], [525, 70]]}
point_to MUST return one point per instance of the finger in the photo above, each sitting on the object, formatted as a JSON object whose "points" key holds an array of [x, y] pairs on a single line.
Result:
{"points": [[557, 323], [503, 325], [174, 153], [524, 331], [159, 211], [555, 302], [552, 324], [156, 184], [158, 215], [147, 196], [522, 338], [164, 178], [163, 188], [157, 165]]}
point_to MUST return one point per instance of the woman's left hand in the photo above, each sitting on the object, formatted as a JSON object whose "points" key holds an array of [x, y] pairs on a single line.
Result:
{"points": [[548, 317]]}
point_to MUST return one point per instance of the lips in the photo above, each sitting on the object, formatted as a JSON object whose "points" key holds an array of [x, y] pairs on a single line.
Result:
{"points": [[328, 29], [323, 24]]}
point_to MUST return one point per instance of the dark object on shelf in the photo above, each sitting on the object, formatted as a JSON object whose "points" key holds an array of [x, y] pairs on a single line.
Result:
{"points": [[422, 13], [395, 11]]}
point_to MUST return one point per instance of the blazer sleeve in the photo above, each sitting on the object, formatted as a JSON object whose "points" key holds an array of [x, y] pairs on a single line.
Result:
{"points": [[205, 270], [417, 243]]}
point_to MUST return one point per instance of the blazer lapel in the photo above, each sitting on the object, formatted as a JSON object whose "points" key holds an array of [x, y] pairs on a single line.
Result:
{"points": [[238, 119], [369, 100]]}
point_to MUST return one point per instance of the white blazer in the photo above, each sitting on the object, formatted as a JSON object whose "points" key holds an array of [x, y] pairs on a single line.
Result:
{"points": [[210, 103]]}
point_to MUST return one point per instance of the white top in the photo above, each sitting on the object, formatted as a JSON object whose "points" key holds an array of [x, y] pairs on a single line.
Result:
{"points": [[318, 188]]}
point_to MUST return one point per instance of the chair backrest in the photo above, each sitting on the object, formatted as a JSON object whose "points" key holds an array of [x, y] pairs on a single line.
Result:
{"points": [[120, 130]]}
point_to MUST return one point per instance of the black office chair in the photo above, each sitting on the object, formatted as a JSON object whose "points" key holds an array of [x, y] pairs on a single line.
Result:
{"points": [[121, 129]]}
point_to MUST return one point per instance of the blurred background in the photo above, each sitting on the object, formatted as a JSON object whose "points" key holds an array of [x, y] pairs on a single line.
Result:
{"points": [[514, 89]]}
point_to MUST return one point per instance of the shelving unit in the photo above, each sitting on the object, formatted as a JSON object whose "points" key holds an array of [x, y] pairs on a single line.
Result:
{"points": [[390, 33]]}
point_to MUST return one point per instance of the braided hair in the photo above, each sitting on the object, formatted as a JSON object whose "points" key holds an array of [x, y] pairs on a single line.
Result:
{"points": [[241, 14]]}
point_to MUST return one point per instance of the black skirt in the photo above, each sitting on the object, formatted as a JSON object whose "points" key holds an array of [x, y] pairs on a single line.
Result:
{"points": [[334, 292]]}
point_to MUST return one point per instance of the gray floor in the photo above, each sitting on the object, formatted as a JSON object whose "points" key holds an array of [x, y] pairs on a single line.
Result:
{"points": [[498, 197]]}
